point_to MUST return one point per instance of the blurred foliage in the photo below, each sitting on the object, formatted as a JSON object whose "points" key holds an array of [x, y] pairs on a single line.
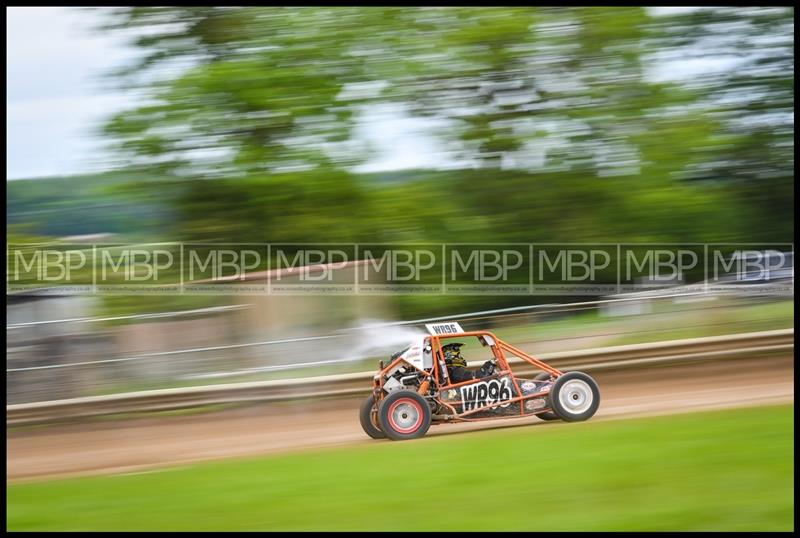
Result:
{"points": [[571, 136], [753, 102], [570, 124], [107, 203]]}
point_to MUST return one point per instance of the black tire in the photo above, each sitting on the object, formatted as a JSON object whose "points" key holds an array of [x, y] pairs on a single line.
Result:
{"points": [[368, 414], [404, 415], [582, 397], [547, 415]]}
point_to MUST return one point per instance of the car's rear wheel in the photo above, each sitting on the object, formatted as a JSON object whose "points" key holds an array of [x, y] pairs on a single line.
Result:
{"points": [[547, 415], [369, 418], [404, 415], [574, 397]]}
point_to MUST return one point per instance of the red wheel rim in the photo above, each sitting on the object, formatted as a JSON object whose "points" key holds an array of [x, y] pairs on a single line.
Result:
{"points": [[395, 412]]}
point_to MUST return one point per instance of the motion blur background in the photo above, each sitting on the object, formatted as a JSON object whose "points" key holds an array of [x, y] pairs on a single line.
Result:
{"points": [[383, 125]]}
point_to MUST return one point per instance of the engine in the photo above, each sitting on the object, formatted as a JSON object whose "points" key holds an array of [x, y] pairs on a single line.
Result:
{"points": [[405, 377], [402, 377]]}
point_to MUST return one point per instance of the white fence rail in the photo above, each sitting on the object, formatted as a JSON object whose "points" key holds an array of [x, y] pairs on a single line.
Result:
{"points": [[730, 347]]}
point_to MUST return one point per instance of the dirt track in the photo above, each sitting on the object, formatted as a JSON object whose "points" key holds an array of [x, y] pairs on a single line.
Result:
{"points": [[135, 445]]}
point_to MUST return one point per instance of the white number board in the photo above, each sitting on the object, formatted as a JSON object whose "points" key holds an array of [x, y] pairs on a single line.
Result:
{"points": [[438, 329]]}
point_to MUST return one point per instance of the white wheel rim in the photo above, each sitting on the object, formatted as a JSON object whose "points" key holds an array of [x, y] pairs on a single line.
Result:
{"points": [[575, 397], [405, 416]]}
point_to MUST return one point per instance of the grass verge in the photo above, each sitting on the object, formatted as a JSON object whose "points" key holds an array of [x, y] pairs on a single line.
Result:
{"points": [[713, 471]]}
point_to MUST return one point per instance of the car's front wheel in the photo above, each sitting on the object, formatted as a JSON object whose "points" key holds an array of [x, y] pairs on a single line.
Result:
{"points": [[574, 397], [404, 415], [369, 418]]}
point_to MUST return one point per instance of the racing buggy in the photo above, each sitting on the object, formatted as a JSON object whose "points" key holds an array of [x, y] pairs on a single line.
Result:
{"points": [[414, 390]]}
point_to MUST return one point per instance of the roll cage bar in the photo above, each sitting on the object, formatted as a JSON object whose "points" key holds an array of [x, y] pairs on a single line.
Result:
{"points": [[439, 370]]}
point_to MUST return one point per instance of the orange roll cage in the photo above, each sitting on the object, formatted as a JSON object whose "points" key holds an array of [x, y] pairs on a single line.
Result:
{"points": [[441, 378]]}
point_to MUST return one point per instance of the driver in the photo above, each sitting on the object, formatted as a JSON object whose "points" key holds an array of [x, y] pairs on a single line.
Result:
{"points": [[457, 365]]}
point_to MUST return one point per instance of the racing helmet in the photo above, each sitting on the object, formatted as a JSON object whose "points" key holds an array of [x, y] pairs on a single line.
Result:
{"points": [[452, 355]]}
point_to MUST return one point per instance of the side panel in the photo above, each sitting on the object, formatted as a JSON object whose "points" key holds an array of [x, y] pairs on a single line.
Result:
{"points": [[473, 397], [482, 393], [417, 356], [538, 391]]}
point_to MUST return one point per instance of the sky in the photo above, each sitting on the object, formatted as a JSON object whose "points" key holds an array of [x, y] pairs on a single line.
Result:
{"points": [[54, 93], [57, 97]]}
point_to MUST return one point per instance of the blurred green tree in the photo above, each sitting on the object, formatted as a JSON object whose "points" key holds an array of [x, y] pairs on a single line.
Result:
{"points": [[752, 97], [571, 136]]}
